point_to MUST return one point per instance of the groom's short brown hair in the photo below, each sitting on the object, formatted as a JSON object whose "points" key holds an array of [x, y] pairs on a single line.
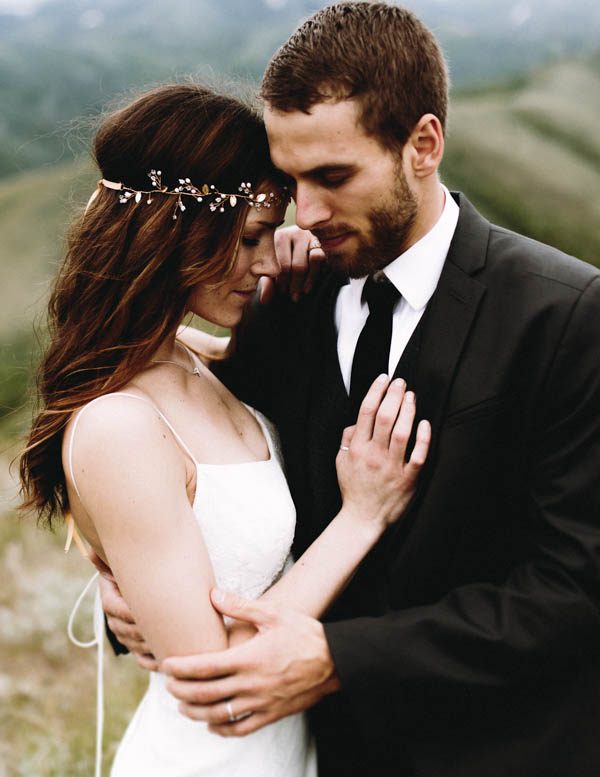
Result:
{"points": [[380, 54]]}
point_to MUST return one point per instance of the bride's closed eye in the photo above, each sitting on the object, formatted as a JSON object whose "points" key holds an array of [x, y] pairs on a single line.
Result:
{"points": [[250, 241]]}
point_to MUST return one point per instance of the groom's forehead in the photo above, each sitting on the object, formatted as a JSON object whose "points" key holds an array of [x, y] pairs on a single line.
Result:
{"points": [[332, 126], [327, 136]]}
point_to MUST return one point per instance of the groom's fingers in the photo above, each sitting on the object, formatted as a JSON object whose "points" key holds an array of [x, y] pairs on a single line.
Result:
{"points": [[218, 714], [147, 661], [208, 666], [113, 603], [243, 727], [208, 693], [247, 610]]}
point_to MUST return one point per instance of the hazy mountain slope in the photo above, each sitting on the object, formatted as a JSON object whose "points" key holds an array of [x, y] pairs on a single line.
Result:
{"points": [[529, 156], [34, 212], [70, 57]]}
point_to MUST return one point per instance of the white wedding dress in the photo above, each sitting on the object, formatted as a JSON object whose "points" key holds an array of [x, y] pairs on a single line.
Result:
{"points": [[247, 519]]}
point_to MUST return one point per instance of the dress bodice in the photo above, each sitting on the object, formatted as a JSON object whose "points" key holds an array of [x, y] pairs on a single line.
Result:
{"points": [[247, 518]]}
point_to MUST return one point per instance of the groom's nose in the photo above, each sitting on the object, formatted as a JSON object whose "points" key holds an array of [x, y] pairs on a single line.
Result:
{"points": [[312, 206]]}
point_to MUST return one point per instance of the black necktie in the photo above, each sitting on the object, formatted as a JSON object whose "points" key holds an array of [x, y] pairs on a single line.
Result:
{"points": [[372, 352]]}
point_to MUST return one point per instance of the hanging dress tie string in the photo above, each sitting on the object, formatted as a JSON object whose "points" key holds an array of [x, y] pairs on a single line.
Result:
{"points": [[98, 642]]}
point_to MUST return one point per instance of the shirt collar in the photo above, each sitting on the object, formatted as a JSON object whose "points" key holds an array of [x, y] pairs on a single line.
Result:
{"points": [[416, 272]]}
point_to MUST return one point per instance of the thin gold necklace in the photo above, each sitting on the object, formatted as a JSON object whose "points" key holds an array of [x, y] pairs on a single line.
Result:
{"points": [[194, 371]]}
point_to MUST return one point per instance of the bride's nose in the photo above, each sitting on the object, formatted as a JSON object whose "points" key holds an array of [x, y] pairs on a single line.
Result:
{"points": [[267, 263]]}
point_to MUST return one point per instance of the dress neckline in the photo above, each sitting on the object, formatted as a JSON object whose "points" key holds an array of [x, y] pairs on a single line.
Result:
{"points": [[251, 410], [266, 435]]}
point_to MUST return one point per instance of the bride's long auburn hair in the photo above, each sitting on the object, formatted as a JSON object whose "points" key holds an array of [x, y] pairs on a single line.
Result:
{"points": [[129, 268]]}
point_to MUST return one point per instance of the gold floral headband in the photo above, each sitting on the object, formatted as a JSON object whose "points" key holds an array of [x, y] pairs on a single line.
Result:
{"points": [[217, 200]]}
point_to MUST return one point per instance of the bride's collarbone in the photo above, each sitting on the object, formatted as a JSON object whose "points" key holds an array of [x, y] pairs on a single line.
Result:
{"points": [[217, 427]]}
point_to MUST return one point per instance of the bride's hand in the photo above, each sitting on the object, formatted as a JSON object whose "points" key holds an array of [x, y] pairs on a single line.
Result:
{"points": [[301, 259], [376, 481]]}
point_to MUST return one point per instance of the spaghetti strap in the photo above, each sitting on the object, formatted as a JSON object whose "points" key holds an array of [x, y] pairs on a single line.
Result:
{"points": [[120, 394]]}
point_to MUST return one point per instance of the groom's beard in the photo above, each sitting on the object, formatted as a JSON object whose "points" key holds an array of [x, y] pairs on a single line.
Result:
{"points": [[389, 229]]}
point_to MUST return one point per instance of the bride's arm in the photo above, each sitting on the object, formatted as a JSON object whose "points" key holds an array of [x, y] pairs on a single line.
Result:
{"points": [[131, 476], [376, 484]]}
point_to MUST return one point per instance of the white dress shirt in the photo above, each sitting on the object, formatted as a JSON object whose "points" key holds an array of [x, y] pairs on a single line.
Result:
{"points": [[415, 274]]}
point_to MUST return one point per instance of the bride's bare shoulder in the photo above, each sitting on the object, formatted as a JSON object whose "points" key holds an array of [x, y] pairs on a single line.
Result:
{"points": [[111, 429]]}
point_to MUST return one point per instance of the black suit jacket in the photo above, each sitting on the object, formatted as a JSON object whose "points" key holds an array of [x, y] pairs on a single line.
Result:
{"points": [[468, 645]]}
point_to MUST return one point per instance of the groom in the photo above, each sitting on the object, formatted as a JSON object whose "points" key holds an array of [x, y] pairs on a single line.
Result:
{"points": [[468, 643]]}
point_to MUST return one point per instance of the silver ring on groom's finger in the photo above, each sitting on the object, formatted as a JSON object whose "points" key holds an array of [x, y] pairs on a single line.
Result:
{"points": [[229, 709], [313, 246], [344, 448], [234, 718]]}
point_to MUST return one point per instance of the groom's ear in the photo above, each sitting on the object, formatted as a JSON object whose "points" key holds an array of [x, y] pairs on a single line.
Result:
{"points": [[424, 148]]}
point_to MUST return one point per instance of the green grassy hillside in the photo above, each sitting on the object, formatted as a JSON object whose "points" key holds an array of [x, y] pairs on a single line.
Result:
{"points": [[35, 209], [529, 155]]}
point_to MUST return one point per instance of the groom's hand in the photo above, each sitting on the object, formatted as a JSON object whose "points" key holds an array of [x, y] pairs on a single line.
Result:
{"points": [[284, 669], [122, 624]]}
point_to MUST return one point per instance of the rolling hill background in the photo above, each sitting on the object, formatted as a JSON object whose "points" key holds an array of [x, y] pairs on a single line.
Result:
{"points": [[68, 58], [522, 144], [524, 151]]}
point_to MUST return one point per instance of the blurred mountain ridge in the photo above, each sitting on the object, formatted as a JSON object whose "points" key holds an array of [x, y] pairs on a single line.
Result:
{"points": [[522, 146], [68, 58]]}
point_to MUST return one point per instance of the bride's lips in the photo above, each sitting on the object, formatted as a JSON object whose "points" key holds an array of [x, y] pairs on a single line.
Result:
{"points": [[246, 295]]}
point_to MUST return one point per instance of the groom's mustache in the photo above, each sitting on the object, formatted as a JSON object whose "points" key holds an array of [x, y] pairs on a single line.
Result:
{"points": [[332, 232]]}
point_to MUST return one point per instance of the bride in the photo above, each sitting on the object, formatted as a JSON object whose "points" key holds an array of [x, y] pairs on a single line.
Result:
{"points": [[177, 485]]}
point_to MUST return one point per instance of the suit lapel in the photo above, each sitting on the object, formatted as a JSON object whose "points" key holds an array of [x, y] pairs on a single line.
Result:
{"points": [[451, 315], [453, 310]]}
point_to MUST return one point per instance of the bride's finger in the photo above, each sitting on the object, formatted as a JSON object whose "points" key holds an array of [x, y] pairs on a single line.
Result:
{"points": [[347, 437], [419, 453], [403, 426], [388, 413], [369, 407]]}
